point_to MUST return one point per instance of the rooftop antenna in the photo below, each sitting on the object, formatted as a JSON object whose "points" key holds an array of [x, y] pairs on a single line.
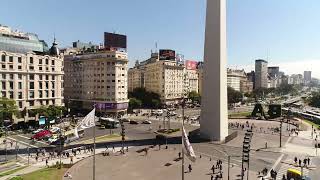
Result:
{"points": [[156, 47]]}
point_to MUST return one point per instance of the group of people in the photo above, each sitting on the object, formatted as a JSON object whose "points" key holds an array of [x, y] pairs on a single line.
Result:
{"points": [[219, 167], [306, 161]]}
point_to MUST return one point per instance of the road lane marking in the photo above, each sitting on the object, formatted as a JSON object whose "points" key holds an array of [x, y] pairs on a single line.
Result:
{"points": [[27, 144], [29, 139]]}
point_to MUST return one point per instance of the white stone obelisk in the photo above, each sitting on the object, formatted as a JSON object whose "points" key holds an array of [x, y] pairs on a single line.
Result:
{"points": [[214, 108]]}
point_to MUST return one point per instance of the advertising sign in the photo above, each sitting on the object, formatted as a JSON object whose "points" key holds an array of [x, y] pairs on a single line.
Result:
{"points": [[192, 65], [42, 121], [106, 106], [167, 54], [115, 40]]}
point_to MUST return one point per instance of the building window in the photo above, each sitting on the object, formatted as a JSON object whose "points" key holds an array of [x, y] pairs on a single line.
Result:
{"points": [[3, 66], [10, 66], [47, 85], [31, 103], [19, 67], [19, 85], [52, 62], [40, 61], [52, 69], [3, 58], [20, 104], [3, 76], [19, 95], [20, 76], [31, 60], [31, 68], [52, 85], [31, 94], [11, 59], [4, 85], [19, 59], [31, 77], [47, 77], [52, 93], [11, 94], [40, 68], [31, 85], [11, 76], [11, 84], [53, 77], [40, 85], [40, 94], [40, 77], [47, 94], [47, 61]]}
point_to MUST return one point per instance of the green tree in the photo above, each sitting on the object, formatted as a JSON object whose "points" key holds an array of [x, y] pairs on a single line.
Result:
{"points": [[314, 100], [8, 108], [148, 99], [134, 103], [233, 96], [194, 96]]}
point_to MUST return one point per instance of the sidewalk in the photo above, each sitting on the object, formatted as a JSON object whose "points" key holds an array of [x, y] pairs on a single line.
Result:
{"points": [[34, 166]]}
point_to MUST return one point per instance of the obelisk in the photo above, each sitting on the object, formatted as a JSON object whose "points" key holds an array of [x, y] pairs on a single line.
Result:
{"points": [[214, 110]]}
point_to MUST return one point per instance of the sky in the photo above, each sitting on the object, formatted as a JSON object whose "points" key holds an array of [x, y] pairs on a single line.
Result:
{"points": [[286, 32]]}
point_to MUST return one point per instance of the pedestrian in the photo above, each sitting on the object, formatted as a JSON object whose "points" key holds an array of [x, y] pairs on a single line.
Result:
{"points": [[299, 162], [308, 160], [127, 149], [47, 162], [190, 168], [284, 177], [220, 167], [295, 160], [211, 177], [71, 159], [179, 154], [212, 168], [113, 150]]}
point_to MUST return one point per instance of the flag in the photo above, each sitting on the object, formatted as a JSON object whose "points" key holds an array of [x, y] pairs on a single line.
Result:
{"points": [[187, 148], [86, 122]]}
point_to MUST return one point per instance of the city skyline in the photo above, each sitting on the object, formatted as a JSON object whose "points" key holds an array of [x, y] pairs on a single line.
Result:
{"points": [[255, 29]]}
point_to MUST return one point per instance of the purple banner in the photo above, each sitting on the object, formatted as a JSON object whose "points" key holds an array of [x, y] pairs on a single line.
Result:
{"points": [[106, 106]]}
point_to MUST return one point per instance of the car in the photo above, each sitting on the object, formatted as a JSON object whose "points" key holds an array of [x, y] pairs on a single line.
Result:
{"points": [[52, 139], [133, 122], [59, 141], [124, 120], [172, 113], [37, 131], [44, 134], [146, 122], [55, 130], [179, 116]]}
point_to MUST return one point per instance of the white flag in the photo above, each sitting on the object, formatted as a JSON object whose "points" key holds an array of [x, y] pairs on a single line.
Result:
{"points": [[187, 148], [86, 122]]}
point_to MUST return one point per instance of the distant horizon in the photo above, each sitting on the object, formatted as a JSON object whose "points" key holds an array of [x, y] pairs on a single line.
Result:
{"points": [[283, 32]]}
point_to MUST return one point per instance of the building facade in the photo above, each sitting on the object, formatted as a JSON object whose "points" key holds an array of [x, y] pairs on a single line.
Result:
{"points": [[168, 78], [31, 74], [273, 71], [238, 80], [307, 77], [97, 78], [261, 74]]}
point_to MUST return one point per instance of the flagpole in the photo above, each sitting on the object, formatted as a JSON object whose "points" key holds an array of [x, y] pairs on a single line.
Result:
{"points": [[94, 147], [182, 169]]}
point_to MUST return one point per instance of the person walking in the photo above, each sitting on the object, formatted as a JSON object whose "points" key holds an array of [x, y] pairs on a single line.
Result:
{"points": [[179, 154], [295, 160], [212, 168], [211, 177], [47, 162], [190, 168], [299, 162], [308, 160]]}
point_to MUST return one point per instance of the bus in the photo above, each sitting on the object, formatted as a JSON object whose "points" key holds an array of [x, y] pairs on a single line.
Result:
{"points": [[109, 122], [293, 174]]}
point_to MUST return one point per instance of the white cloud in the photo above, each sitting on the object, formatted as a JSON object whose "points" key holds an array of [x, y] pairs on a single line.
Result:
{"points": [[290, 67]]}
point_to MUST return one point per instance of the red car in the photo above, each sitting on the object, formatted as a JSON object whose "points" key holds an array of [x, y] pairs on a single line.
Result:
{"points": [[42, 134]]}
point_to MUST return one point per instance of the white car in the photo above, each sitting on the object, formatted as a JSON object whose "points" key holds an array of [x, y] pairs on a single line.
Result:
{"points": [[36, 131], [55, 130], [52, 139], [179, 116], [146, 122]]}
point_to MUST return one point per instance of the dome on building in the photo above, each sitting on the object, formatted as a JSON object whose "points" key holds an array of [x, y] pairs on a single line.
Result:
{"points": [[54, 50]]}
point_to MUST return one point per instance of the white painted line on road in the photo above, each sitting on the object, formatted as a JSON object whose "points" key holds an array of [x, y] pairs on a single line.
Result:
{"points": [[275, 165], [29, 139], [27, 144]]}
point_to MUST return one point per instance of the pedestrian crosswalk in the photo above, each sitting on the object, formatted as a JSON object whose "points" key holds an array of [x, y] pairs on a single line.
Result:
{"points": [[285, 165]]}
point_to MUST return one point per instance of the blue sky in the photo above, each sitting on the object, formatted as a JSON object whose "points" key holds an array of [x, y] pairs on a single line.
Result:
{"points": [[286, 32]]}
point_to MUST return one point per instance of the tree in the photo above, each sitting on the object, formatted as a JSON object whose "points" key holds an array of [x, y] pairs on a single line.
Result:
{"points": [[314, 100], [134, 103], [194, 96], [148, 99], [233, 96], [8, 108]]}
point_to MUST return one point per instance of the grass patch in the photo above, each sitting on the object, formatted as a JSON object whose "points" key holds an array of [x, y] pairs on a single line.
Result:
{"points": [[45, 174], [109, 137], [239, 114], [12, 171], [312, 123]]}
